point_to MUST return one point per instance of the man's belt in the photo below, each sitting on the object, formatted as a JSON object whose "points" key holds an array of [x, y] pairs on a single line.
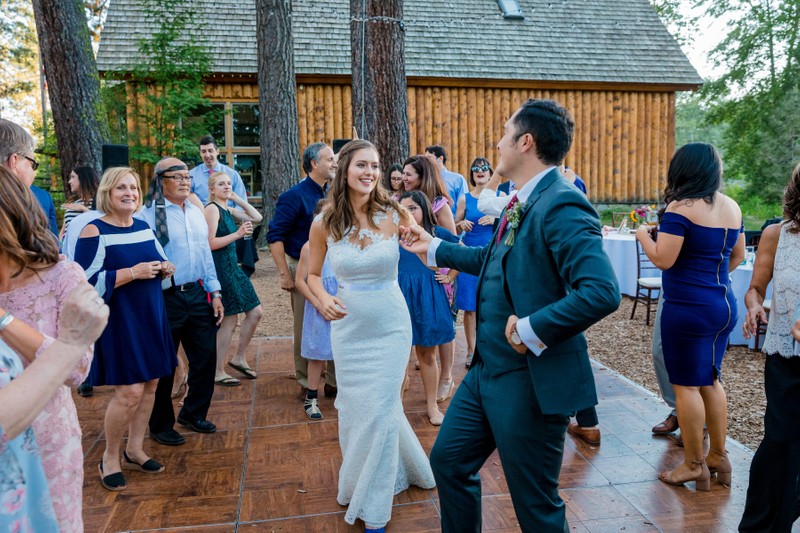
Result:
{"points": [[182, 288]]}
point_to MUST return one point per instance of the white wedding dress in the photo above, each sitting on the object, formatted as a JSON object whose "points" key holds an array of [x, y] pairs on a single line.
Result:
{"points": [[381, 455]]}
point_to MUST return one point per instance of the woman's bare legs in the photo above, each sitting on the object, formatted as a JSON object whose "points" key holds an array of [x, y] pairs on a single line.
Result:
{"points": [[445, 388], [119, 413], [430, 378], [470, 333], [224, 335], [246, 331], [138, 424]]}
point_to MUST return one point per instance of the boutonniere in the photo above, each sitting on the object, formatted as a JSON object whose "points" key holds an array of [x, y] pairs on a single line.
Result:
{"points": [[513, 217]]}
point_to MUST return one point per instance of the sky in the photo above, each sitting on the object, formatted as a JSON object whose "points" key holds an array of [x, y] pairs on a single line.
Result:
{"points": [[698, 50]]}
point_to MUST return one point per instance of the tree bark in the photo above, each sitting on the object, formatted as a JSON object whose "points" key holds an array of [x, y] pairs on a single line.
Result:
{"points": [[280, 153], [380, 105], [72, 83]]}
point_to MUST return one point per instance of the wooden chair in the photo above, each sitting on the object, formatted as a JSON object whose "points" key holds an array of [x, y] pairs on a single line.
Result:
{"points": [[646, 284], [618, 216], [761, 328], [753, 241]]}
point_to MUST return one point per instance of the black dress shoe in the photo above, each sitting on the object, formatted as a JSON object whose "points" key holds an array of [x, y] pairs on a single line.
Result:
{"points": [[169, 437], [330, 391], [199, 425]]}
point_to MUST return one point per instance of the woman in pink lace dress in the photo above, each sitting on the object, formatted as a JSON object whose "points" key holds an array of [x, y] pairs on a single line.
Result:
{"points": [[35, 295]]}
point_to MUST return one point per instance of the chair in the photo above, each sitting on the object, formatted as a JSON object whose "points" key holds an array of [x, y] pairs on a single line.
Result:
{"points": [[753, 241], [761, 327], [618, 216], [646, 285]]}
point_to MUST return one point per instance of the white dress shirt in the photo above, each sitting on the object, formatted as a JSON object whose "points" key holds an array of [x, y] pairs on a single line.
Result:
{"points": [[524, 329], [188, 247]]}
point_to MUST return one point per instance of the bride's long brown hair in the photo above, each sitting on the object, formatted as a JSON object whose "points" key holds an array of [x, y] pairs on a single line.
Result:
{"points": [[339, 215]]}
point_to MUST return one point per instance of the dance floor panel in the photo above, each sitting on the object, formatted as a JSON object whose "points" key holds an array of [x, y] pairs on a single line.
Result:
{"points": [[268, 468]]}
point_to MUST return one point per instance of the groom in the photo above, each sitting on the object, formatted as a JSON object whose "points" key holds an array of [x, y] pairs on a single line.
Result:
{"points": [[543, 279]]}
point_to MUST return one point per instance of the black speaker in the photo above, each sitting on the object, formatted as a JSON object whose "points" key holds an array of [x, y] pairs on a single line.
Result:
{"points": [[115, 155], [338, 144]]}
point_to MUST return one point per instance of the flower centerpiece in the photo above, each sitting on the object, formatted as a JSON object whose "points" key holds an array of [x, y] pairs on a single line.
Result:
{"points": [[642, 215]]}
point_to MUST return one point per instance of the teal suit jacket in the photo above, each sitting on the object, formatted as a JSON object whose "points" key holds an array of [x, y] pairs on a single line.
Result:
{"points": [[556, 274]]}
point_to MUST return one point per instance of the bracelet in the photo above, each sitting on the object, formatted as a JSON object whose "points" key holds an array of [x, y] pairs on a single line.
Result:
{"points": [[133, 276], [216, 294], [5, 320]]}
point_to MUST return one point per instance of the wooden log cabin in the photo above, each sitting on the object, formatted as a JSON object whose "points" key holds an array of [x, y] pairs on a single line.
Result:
{"points": [[612, 63]]}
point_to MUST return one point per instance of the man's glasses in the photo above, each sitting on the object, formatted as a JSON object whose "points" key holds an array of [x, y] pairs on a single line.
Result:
{"points": [[482, 168], [34, 163], [179, 178]]}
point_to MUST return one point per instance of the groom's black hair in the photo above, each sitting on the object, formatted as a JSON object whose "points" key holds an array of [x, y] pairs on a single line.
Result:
{"points": [[551, 127]]}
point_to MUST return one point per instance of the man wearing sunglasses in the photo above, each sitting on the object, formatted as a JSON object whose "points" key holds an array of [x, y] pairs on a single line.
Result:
{"points": [[16, 153]]}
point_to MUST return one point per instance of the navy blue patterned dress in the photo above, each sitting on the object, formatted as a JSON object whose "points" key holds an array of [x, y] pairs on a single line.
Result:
{"points": [[136, 346], [699, 306]]}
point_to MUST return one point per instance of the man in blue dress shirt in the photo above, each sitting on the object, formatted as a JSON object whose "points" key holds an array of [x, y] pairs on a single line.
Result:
{"points": [[201, 173], [182, 230], [288, 232], [455, 182]]}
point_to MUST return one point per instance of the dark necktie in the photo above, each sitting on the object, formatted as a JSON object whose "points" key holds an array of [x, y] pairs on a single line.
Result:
{"points": [[504, 221], [157, 197]]}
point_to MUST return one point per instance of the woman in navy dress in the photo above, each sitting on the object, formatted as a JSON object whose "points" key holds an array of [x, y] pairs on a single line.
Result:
{"points": [[125, 263], [477, 228], [700, 240], [431, 322]]}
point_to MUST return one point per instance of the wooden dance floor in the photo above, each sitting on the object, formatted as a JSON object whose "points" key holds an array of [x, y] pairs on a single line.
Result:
{"points": [[268, 468]]}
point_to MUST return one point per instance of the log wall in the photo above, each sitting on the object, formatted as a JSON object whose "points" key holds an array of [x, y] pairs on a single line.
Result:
{"points": [[622, 146]]}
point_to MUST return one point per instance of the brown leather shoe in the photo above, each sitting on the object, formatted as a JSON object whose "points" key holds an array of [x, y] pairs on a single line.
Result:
{"points": [[588, 435], [669, 425]]}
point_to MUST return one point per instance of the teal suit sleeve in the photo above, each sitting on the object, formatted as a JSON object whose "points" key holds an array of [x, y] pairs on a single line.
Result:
{"points": [[467, 259], [573, 237]]}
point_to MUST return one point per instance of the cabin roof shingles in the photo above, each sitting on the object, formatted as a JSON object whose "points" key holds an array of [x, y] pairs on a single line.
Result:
{"points": [[559, 40]]}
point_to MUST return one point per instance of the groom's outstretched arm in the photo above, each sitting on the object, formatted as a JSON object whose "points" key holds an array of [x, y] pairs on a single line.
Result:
{"points": [[574, 238], [435, 252]]}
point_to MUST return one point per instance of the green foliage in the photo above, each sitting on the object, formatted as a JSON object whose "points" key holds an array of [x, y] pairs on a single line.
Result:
{"points": [[18, 45], [755, 210], [753, 106], [692, 124], [168, 84]]}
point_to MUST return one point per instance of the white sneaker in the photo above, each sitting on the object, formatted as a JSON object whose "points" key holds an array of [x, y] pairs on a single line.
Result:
{"points": [[312, 411]]}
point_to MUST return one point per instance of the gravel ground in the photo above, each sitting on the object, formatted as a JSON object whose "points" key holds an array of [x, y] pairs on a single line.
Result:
{"points": [[617, 342]]}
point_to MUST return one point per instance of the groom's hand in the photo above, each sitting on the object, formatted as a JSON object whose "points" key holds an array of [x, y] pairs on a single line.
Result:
{"points": [[512, 335], [416, 240]]}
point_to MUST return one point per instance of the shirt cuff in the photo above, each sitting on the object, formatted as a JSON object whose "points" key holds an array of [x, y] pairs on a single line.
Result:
{"points": [[432, 247], [529, 337], [213, 286]]}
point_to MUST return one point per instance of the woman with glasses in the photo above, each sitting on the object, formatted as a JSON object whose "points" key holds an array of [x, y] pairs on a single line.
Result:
{"points": [[392, 181], [477, 229]]}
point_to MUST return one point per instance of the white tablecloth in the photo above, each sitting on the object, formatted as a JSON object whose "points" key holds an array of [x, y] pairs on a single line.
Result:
{"points": [[740, 282], [621, 250]]}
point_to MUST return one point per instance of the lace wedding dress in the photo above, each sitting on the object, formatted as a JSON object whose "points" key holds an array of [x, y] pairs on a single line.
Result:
{"points": [[381, 455]]}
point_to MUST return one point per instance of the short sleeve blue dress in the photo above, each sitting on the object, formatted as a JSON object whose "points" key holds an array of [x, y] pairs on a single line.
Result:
{"points": [[699, 306], [466, 295], [431, 321], [316, 342], [137, 345]]}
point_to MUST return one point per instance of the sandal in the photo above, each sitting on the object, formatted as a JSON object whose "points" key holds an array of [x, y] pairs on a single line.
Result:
{"points": [[228, 382], [151, 466], [115, 481], [248, 372], [702, 480]]}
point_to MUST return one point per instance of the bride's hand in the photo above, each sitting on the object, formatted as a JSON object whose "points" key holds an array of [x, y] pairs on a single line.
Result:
{"points": [[332, 308]]}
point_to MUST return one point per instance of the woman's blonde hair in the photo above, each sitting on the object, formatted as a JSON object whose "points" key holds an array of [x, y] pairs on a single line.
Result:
{"points": [[25, 237], [212, 179], [109, 181], [339, 215]]}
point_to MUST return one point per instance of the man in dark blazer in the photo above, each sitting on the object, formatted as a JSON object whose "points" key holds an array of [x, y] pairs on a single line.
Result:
{"points": [[543, 279]]}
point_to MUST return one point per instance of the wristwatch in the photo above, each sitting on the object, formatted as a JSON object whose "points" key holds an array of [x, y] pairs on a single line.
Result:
{"points": [[515, 338], [216, 294]]}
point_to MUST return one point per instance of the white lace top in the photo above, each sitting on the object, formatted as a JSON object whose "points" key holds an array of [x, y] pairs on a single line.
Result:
{"points": [[785, 295]]}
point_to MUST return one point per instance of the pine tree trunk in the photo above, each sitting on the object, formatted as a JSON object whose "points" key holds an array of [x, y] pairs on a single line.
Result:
{"points": [[72, 83], [280, 153], [380, 105]]}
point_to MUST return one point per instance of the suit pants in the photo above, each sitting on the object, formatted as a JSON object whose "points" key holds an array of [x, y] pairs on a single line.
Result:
{"points": [[773, 496], [500, 412], [192, 323], [298, 312], [667, 392]]}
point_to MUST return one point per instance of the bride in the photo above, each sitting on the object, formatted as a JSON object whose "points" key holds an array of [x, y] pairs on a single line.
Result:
{"points": [[370, 337]]}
